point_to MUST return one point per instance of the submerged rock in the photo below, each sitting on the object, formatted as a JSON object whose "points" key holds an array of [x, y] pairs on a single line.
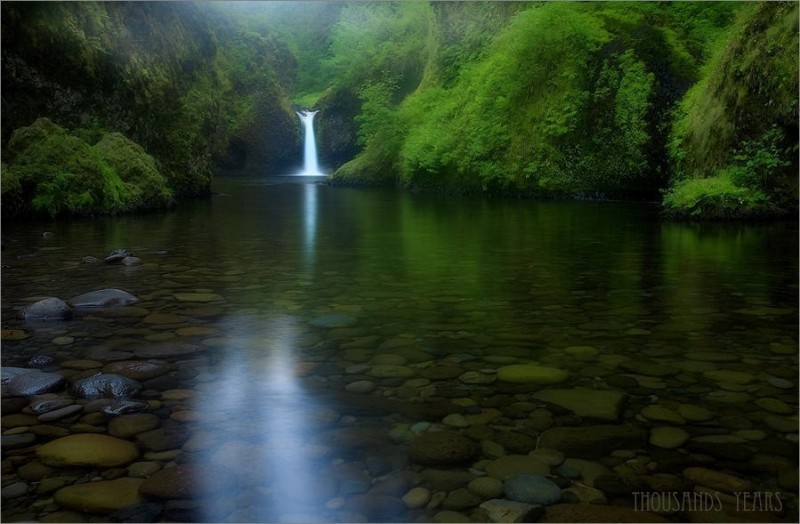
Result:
{"points": [[100, 497], [592, 442], [35, 384], [47, 310], [333, 321], [106, 385], [441, 448], [87, 449], [117, 255], [103, 298], [590, 403], [532, 489], [531, 374]]}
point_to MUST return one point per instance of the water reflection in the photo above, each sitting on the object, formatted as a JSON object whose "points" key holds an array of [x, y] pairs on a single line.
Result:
{"points": [[263, 425], [309, 225]]}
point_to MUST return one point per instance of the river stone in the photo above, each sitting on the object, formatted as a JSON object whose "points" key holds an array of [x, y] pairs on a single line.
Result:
{"points": [[532, 489], [103, 298], [116, 256], [477, 377], [60, 413], [389, 371], [100, 497], [107, 385], [695, 413], [137, 369], [163, 439], [531, 374], [7, 373], [441, 448], [591, 442], [780, 383], [514, 465], [662, 414], [728, 397], [781, 424], [775, 406], [501, 510], [48, 309], [582, 353], [333, 321], [360, 386], [455, 420], [416, 497], [127, 426], [668, 437], [13, 334], [589, 403], [460, 498], [729, 447], [197, 297], [87, 449], [486, 487], [597, 513], [441, 372], [732, 377], [717, 480], [516, 442], [36, 383], [649, 368], [18, 440], [15, 490], [163, 318], [131, 261], [167, 350], [713, 356]]}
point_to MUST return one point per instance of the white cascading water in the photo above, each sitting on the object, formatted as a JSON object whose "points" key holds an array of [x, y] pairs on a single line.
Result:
{"points": [[310, 165]]}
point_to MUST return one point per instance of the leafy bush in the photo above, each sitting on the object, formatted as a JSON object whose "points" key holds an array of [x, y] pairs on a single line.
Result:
{"points": [[716, 197]]}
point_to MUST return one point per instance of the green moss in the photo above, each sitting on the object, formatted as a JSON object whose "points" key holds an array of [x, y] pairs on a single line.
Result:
{"points": [[716, 197], [53, 172], [143, 184]]}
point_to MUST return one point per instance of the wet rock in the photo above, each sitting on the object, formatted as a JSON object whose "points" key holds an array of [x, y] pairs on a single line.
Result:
{"points": [[455, 420], [668, 437], [695, 413], [116, 256], [90, 260], [100, 497], [378, 508], [441, 372], [531, 374], [774, 405], [447, 480], [47, 310], [486, 487], [516, 442], [389, 371], [122, 407], [167, 350], [127, 426], [163, 439], [103, 298], [15, 490], [9, 373], [58, 414], [461, 498], [727, 447], [333, 321], [360, 386], [590, 403], [35, 384], [597, 513], [514, 465], [137, 369], [131, 261], [781, 424], [34, 471], [416, 498], [441, 448], [731, 377], [591, 442], [40, 361], [532, 489], [448, 515], [624, 485], [17, 440], [107, 385], [501, 510], [649, 368], [87, 449], [662, 414], [13, 334], [717, 480]]}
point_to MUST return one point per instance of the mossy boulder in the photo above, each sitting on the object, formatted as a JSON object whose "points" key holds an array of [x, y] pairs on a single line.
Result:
{"points": [[147, 186], [87, 449], [51, 171]]}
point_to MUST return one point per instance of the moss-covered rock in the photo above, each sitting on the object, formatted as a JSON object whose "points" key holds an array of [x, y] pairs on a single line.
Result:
{"points": [[54, 172], [146, 185]]}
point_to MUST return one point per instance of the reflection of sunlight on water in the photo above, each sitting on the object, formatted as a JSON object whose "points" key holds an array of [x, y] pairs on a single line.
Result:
{"points": [[265, 425], [310, 225]]}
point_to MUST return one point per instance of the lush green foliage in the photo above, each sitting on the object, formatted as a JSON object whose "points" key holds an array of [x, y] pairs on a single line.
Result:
{"points": [[739, 122], [59, 173]]}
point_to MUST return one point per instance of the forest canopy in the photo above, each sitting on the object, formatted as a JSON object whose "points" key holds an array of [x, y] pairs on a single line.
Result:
{"points": [[690, 103]]}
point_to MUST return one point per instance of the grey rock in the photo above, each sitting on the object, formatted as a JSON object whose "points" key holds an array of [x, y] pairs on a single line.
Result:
{"points": [[8, 372], [333, 321], [532, 489], [106, 385], [90, 260], [35, 384], [39, 407], [103, 298], [18, 440], [144, 512], [501, 510], [131, 261], [15, 490], [116, 256], [60, 413], [47, 310]]}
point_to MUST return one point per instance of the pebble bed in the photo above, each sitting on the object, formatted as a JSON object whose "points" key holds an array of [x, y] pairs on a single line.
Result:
{"points": [[213, 396]]}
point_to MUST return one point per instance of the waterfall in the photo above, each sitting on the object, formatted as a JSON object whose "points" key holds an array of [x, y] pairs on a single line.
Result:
{"points": [[310, 166]]}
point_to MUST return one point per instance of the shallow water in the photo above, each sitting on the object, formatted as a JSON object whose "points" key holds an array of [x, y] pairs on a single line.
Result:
{"points": [[278, 293]]}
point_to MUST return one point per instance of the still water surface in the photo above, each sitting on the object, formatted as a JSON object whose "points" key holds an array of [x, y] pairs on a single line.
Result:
{"points": [[321, 330]]}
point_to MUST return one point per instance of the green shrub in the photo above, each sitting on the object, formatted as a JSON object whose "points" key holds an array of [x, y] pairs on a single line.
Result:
{"points": [[716, 197]]}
